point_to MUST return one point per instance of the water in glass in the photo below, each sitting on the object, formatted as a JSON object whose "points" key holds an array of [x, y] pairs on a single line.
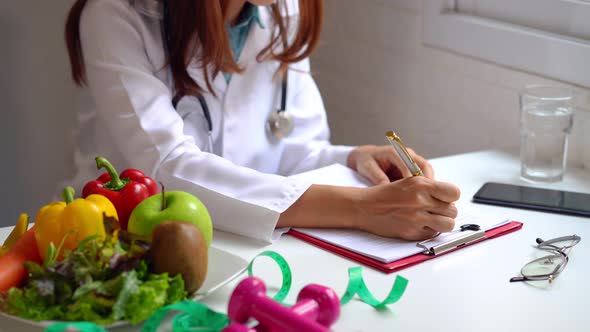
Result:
{"points": [[544, 138]]}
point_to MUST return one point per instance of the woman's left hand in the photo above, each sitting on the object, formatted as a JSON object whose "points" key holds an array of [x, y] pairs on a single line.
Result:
{"points": [[381, 164]]}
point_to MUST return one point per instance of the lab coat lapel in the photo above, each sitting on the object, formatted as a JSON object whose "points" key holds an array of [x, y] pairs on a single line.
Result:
{"points": [[219, 83]]}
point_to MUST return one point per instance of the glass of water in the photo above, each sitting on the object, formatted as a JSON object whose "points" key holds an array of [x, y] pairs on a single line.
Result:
{"points": [[546, 119]]}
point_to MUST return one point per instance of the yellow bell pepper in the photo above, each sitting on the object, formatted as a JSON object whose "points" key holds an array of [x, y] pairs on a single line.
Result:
{"points": [[19, 229], [71, 221]]}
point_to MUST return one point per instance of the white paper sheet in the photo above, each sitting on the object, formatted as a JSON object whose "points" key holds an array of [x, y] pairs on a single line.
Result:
{"points": [[381, 248]]}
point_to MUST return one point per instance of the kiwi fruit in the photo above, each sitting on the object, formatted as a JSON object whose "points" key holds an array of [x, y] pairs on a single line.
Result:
{"points": [[179, 248]]}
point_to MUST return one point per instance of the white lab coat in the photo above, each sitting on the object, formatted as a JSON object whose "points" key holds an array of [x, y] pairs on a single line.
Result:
{"points": [[130, 120]]}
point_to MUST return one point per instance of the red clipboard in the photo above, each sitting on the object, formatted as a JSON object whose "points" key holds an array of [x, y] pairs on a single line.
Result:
{"points": [[404, 262]]}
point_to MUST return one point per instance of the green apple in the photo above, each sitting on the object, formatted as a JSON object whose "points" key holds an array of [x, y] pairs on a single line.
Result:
{"points": [[170, 206]]}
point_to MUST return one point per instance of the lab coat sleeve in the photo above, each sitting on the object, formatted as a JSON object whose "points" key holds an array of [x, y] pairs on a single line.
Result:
{"points": [[134, 108], [308, 146]]}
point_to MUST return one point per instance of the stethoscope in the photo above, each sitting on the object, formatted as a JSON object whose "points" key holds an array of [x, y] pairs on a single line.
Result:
{"points": [[279, 123]]}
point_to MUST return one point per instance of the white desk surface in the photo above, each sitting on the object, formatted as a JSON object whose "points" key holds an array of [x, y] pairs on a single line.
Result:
{"points": [[467, 290]]}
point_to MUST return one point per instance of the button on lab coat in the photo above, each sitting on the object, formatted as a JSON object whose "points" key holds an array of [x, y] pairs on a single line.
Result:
{"points": [[129, 119]]}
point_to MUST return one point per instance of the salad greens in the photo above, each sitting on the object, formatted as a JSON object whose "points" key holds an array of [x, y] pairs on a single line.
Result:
{"points": [[101, 281]]}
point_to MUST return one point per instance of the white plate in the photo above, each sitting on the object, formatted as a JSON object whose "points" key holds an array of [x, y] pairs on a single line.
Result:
{"points": [[226, 268], [223, 268]]}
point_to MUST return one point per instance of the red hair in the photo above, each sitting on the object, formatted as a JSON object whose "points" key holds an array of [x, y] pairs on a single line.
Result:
{"points": [[196, 29]]}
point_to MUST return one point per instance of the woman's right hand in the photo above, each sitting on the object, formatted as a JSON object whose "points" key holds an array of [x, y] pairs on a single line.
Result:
{"points": [[412, 208]]}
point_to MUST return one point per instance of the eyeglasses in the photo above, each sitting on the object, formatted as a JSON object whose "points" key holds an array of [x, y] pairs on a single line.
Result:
{"points": [[548, 267]]}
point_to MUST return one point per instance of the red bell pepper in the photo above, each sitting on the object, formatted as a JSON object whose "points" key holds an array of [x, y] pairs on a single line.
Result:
{"points": [[124, 190]]}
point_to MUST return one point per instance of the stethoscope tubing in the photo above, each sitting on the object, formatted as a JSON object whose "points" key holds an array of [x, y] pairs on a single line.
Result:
{"points": [[202, 101]]}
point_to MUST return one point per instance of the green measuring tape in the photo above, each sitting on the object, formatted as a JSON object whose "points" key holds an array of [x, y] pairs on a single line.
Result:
{"points": [[195, 316], [80, 326], [356, 284]]}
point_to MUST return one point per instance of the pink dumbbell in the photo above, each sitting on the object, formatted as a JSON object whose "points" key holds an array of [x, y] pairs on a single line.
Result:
{"points": [[317, 308], [235, 327]]}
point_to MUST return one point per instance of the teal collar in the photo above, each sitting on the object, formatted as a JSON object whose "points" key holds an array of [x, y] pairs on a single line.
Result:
{"points": [[238, 33], [248, 15]]}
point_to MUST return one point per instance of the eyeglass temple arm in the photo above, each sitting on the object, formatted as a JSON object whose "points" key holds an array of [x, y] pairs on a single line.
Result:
{"points": [[517, 279]]}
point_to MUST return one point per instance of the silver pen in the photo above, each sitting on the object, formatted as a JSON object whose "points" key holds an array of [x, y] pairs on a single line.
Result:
{"points": [[403, 153]]}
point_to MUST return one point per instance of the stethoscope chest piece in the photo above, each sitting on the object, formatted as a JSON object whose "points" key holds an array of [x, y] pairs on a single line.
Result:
{"points": [[279, 124]]}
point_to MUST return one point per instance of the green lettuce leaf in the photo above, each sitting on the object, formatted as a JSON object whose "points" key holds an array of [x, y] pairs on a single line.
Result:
{"points": [[102, 281]]}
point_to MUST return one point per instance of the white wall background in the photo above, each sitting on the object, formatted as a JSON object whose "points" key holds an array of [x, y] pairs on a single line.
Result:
{"points": [[372, 69], [37, 105], [376, 75]]}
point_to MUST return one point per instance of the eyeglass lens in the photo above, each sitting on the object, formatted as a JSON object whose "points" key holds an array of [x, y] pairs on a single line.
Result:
{"points": [[544, 266], [558, 244]]}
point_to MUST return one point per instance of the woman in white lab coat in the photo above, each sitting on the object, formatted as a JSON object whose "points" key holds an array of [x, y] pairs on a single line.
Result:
{"points": [[146, 63]]}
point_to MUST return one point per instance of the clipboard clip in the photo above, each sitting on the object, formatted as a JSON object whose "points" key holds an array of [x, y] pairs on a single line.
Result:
{"points": [[441, 244]]}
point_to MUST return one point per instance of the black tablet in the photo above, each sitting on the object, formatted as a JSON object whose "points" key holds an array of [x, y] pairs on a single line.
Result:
{"points": [[548, 200]]}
